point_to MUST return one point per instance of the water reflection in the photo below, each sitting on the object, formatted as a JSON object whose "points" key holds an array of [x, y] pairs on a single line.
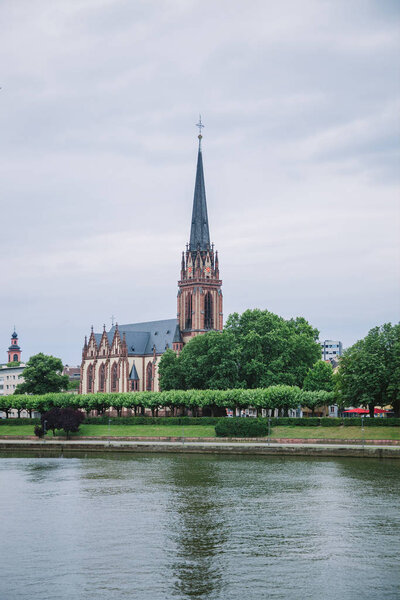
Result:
{"points": [[207, 527], [197, 528]]}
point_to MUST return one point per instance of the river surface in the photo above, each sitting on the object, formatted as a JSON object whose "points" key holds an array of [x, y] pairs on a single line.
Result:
{"points": [[154, 527]]}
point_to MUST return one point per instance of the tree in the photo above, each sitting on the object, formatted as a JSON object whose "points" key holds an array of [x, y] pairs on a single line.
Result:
{"points": [[42, 375], [284, 397], [272, 350], [319, 377], [67, 418], [208, 361], [71, 419], [170, 372], [369, 370], [53, 419], [257, 349], [314, 399]]}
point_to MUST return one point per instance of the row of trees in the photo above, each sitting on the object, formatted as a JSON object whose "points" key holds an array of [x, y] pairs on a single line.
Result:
{"points": [[282, 397], [260, 349], [256, 350]]}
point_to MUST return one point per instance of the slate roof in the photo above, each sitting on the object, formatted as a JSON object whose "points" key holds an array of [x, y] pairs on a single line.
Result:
{"points": [[110, 336], [199, 233], [141, 337], [133, 375], [177, 335]]}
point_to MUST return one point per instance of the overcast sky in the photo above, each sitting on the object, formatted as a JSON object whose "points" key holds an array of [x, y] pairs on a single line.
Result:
{"points": [[99, 100]]}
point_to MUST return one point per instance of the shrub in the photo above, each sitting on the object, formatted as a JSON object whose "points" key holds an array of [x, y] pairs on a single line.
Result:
{"points": [[39, 431], [242, 427]]}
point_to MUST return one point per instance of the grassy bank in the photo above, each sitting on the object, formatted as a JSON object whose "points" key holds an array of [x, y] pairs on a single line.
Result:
{"points": [[337, 433], [121, 430], [370, 433]]}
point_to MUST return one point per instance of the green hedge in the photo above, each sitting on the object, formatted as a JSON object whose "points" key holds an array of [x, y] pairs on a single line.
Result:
{"points": [[144, 420], [20, 421], [291, 421], [376, 422], [241, 427], [274, 421]]}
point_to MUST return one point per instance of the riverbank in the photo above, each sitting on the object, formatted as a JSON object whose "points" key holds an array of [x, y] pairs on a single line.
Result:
{"points": [[77, 447], [278, 432]]}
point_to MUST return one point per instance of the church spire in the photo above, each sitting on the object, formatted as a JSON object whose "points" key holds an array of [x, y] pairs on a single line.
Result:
{"points": [[199, 233], [199, 302]]}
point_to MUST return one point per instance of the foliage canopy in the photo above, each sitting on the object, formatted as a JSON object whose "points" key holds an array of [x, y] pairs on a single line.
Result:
{"points": [[256, 349], [319, 377], [42, 375], [369, 372]]}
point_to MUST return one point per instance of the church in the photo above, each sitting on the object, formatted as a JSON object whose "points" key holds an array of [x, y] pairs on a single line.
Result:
{"points": [[126, 357]]}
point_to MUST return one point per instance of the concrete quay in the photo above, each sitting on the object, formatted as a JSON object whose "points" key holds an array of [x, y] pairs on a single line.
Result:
{"points": [[77, 447]]}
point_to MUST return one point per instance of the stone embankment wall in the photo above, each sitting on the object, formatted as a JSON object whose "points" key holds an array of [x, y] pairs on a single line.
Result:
{"points": [[79, 447]]}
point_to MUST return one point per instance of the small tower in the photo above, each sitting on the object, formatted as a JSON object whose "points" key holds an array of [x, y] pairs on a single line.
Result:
{"points": [[14, 351], [199, 288]]}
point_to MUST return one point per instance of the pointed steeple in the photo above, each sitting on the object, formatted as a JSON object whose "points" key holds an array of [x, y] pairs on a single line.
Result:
{"points": [[199, 233], [199, 303]]}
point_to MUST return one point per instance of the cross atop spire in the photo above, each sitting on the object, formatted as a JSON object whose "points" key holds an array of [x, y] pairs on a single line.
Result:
{"points": [[200, 126]]}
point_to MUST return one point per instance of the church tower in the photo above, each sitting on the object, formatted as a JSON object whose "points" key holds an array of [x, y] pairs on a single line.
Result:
{"points": [[14, 351], [199, 288]]}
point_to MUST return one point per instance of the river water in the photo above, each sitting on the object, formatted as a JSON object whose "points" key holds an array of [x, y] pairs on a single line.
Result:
{"points": [[155, 527]]}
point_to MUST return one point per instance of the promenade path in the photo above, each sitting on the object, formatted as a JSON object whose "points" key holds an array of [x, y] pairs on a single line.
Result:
{"points": [[215, 447]]}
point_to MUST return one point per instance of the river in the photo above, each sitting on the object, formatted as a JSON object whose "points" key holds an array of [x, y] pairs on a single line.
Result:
{"points": [[154, 527]]}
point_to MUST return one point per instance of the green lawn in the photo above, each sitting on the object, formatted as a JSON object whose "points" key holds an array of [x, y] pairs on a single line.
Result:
{"points": [[122, 430], [372, 433], [19, 430], [150, 430], [337, 433]]}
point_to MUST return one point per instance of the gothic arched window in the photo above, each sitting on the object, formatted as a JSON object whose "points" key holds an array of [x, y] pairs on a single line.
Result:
{"points": [[90, 379], [149, 377], [102, 377], [208, 312], [15, 358], [114, 377], [188, 312]]}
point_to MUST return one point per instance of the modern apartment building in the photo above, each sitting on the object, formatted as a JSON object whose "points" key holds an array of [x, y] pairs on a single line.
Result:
{"points": [[331, 349]]}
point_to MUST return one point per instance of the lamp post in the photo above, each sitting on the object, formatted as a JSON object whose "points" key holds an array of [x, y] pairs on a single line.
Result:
{"points": [[362, 430], [109, 430], [269, 430], [44, 430]]}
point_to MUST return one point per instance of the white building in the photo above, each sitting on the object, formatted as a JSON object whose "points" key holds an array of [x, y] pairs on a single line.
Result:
{"points": [[331, 349], [11, 373], [10, 377]]}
